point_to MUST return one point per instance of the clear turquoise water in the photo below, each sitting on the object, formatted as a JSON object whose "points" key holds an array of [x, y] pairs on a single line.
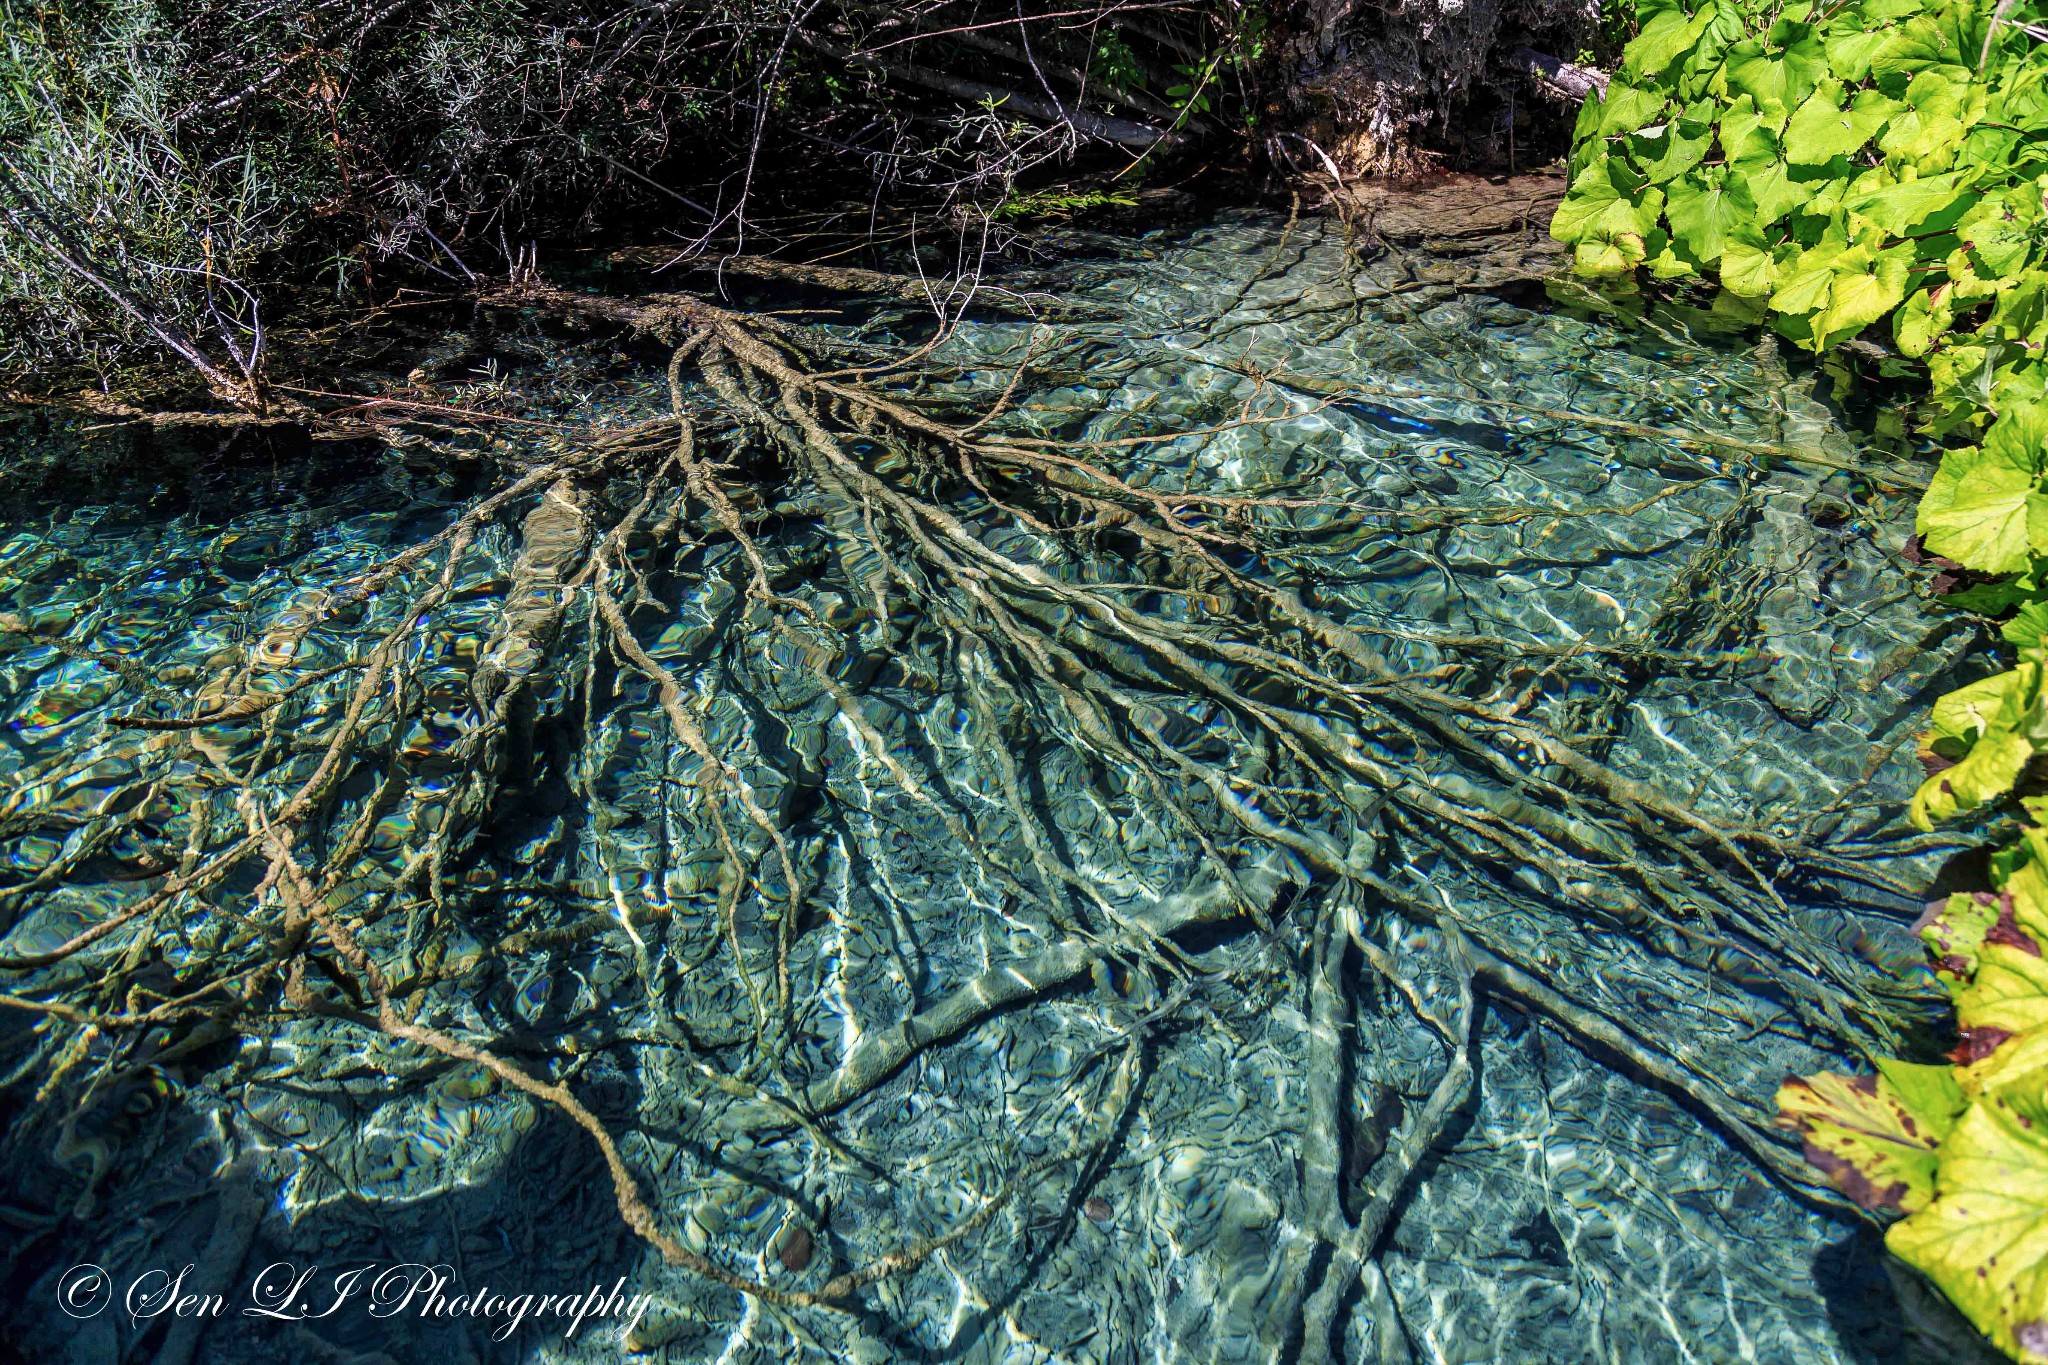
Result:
{"points": [[1571, 1212]]}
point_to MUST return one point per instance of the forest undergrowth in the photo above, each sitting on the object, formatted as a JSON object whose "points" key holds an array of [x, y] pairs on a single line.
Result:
{"points": [[189, 184]]}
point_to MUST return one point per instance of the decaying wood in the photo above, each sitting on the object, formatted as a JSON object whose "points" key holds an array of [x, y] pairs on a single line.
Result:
{"points": [[1566, 82]]}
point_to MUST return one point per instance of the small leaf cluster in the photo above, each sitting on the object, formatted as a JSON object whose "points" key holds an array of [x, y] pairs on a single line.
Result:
{"points": [[1063, 203]]}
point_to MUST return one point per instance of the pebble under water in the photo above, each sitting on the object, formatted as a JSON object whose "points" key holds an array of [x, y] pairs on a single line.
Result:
{"points": [[1573, 1210]]}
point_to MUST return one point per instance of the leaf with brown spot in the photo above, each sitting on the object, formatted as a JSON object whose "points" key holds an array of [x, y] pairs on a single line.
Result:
{"points": [[1984, 1237], [1872, 1138]]}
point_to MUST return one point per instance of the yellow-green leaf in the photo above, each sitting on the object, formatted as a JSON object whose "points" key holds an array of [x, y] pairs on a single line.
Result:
{"points": [[1821, 129], [1924, 319], [1955, 933], [2000, 1013], [1993, 765], [1595, 207], [1746, 263], [1977, 507], [1605, 253], [1862, 297], [1896, 208], [1807, 281], [1930, 1093], [1758, 160], [1742, 116], [1984, 1238], [2028, 629], [2009, 737], [1704, 207], [1861, 1134], [1626, 108], [1666, 35], [1964, 714]]}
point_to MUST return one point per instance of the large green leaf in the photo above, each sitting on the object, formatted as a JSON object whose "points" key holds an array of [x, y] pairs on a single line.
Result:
{"points": [[1609, 253], [2028, 629], [1745, 263], [1929, 133], [1940, 90], [2009, 995], [1899, 207], [2002, 999], [2020, 102], [2011, 733], [1959, 717], [1994, 763], [1884, 11], [2019, 314], [2011, 1066], [1821, 129], [2001, 241], [1984, 1238], [1667, 259], [1962, 375], [1604, 223], [1698, 72], [1704, 207], [2010, 990], [1626, 108], [1924, 319], [1852, 46], [1928, 141], [1861, 297], [1954, 935], [1767, 177], [1664, 37], [1806, 281], [1806, 287], [1929, 1093], [1741, 116], [1768, 72], [2001, 1013], [1926, 41], [1982, 508], [1679, 145]]}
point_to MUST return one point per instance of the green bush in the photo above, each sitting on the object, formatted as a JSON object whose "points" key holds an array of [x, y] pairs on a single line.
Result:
{"points": [[178, 175], [1882, 165], [175, 173], [111, 236]]}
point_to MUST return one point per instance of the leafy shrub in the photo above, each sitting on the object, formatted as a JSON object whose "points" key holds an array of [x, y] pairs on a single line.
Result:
{"points": [[110, 233], [163, 161], [1884, 164], [180, 175]]}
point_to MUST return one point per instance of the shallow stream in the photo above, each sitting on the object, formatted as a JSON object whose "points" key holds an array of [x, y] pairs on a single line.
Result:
{"points": [[1738, 630]]}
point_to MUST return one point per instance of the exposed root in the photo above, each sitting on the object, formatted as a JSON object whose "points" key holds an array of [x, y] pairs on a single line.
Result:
{"points": [[1257, 738]]}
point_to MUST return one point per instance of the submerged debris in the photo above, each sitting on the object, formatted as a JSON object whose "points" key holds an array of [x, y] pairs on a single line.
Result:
{"points": [[795, 1249]]}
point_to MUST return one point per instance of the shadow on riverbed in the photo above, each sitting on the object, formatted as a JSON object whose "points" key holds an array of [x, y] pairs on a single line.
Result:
{"points": [[1886, 1313]]}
